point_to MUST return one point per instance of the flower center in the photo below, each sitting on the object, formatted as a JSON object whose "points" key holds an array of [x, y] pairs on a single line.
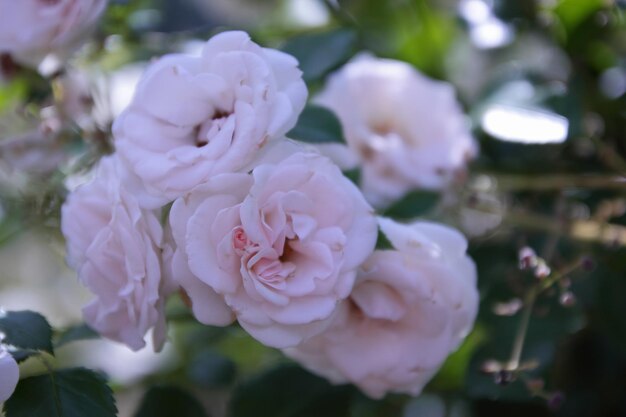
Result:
{"points": [[203, 132], [240, 240]]}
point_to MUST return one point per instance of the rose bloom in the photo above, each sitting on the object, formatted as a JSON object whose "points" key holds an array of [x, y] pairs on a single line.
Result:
{"points": [[114, 246], [32, 29], [193, 117], [407, 130], [410, 308], [9, 375], [279, 246]]}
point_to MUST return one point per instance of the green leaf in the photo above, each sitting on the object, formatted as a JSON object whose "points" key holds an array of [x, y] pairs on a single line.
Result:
{"points": [[290, 391], [212, 370], [413, 204], [76, 333], [353, 175], [573, 12], [74, 392], [317, 125], [319, 53], [27, 330], [452, 374], [169, 402], [382, 243]]}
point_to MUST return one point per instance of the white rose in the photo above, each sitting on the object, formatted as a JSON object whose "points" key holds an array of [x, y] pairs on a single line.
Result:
{"points": [[114, 246], [280, 246], [31, 29], [9, 374], [407, 130], [410, 308], [193, 117]]}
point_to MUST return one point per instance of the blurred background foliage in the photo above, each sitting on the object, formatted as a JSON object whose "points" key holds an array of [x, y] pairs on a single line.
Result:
{"points": [[544, 84]]}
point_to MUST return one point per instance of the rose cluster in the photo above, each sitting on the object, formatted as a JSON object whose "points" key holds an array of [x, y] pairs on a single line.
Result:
{"points": [[206, 195]]}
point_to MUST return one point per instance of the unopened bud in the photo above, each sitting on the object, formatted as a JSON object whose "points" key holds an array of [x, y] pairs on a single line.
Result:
{"points": [[503, 377], [567, 299], [542, 270], [556, 400], [588, 264], [491, 366], [509, 308], [527, 258]]}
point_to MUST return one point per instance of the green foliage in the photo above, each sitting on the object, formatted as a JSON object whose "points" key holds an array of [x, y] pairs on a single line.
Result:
{"points": [[573, 12], [319, 53], [68, 393], [76, 333], [317, 125], [169, 402], [289, 391], [413, 204], [27, 330], [211, 370]]}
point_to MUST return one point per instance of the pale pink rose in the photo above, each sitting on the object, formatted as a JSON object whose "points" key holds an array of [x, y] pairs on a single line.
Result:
{"points": [[280, 246], [114, 246], [407, 130], [193, 117], [32, 29], [9, 375], [410, 308]]}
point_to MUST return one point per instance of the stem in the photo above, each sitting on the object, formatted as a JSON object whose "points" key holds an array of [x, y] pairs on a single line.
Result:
{"points": [[340, 14], [529, 302], [583, 230], [512, 182], [609, 156], [522, 329], [554, 278]]}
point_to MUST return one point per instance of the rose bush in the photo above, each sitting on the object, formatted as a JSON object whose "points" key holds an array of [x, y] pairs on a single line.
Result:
{"points": [[410, 308], [115, 247], [407, 131], [9, 374], [193, 117], [31, 29], [279, 246]]}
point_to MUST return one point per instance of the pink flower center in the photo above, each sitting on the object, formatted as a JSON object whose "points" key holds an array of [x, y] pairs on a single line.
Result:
{"points": [[240, 239]]}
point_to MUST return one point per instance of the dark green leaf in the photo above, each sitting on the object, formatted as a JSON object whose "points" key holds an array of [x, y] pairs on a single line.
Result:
{"points": [[68, 393], [353, 175], [76, 333], [412, 205], [169, 402], [212, 370], [27, 330], [317, 125], [290, 391], [383, 243], [319, 53], [20, 355]]}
